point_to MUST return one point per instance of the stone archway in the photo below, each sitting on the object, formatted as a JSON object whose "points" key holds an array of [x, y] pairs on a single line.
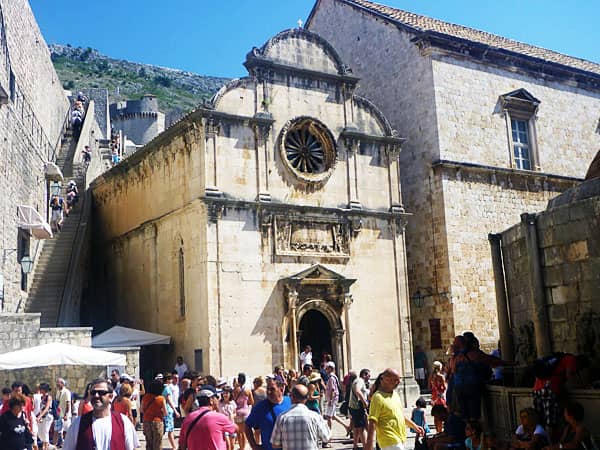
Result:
{"points": [[315, 330], [323, 294]]}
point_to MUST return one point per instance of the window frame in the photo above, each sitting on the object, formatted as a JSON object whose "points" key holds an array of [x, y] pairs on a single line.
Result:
{"points": [[521, 106]]}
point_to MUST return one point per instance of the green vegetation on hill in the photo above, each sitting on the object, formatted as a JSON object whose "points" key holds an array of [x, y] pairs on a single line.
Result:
{"points": [[177, 91]]}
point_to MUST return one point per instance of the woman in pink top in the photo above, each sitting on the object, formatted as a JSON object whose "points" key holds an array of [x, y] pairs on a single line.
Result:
{"points": [[243, 399]]}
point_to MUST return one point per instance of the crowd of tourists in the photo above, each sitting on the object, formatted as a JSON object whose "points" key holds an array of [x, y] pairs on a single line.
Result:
{"points": [[550, 423], [291, 409]]}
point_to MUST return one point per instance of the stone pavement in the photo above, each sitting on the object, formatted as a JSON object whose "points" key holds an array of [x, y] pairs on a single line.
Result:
{"points": [[339, 440]]}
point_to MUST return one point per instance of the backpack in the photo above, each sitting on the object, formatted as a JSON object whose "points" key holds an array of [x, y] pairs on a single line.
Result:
{"points": [[543, 368], [54, 410]]}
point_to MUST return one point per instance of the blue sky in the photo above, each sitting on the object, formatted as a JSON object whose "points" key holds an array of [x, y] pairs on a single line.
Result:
{"points": [[213, 37]]}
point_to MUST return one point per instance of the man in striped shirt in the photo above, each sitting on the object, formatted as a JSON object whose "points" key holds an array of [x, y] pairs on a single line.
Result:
{"points": [[299, 428]]}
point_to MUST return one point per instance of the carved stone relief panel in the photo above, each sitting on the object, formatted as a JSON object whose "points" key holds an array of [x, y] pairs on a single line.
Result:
{"points": [[311, 237]]}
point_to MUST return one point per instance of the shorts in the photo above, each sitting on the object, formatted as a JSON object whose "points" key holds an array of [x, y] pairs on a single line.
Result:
{"points": [[66, 424], [359, 418], [419, 373], [57, 215], [169, 423], [329, 408], [398, 446]]}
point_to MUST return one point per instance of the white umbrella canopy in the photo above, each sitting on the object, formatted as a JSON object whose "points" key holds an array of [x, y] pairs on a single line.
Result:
{"points": [[119, 336], [58, 353]]}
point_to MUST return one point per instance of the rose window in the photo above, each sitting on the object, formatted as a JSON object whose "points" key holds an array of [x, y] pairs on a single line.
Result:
{"points": [[308, 149]]}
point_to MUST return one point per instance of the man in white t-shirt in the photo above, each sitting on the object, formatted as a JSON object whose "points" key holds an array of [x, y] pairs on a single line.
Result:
{"points": [[101, 428], [306, 357], [63, 397], [180, 367]]}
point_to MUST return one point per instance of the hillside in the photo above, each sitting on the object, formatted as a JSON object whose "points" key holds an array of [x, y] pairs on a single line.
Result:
{"points": [[177, 91]]}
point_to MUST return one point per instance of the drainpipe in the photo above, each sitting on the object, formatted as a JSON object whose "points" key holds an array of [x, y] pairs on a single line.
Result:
{"points": [[543, 343], [506, 341]]}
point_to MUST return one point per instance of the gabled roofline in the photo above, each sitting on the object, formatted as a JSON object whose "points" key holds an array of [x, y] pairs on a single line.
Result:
{"points": [[550, 70]]}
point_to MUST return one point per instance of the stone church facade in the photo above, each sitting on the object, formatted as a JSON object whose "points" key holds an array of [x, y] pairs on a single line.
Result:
{"points": [[266, 220], [494, 128]]}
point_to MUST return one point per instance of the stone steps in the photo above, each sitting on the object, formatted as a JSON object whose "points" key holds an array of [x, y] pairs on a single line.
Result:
{"points": [[45, 294]]}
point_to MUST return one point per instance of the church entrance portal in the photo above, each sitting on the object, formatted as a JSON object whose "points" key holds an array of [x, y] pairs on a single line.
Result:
{"points": [[315, 330]]}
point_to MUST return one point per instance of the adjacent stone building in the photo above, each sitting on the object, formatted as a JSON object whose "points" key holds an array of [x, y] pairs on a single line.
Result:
{"points": [[139, 120], [33, 110], [263, 221], [550, 265], [494, 128]]}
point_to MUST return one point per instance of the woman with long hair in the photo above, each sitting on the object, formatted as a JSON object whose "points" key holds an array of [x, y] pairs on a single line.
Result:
{"points": [[437, 384], [242, 396]]}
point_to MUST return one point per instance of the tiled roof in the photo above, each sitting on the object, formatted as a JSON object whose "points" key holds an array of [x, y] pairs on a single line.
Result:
{"points": [[423, 23]]}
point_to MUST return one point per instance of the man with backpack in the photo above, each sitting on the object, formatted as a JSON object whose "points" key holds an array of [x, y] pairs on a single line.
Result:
{"points": [[204, 428]]}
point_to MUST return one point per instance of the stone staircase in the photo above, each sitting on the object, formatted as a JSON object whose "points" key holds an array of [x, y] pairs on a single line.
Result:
{"points": [[46, 293]]}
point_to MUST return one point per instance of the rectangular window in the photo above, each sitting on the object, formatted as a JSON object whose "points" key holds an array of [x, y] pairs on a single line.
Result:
{"points": [[435, 330], [520, 141], [198, 361]]}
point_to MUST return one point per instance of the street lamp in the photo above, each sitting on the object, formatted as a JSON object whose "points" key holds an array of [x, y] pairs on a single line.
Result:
{"points": [[55, 188], [418, 299], [26, 264]]}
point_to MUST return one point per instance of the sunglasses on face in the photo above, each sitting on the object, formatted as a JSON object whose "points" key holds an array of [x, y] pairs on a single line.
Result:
{"points": [[100, 393]]}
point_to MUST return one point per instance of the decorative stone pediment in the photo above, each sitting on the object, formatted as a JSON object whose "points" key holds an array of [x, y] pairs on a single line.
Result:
{"points": [[318, 282], [311, 236], [520, 100]]}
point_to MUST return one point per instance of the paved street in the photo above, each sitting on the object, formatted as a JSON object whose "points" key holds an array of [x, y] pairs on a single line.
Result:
{"points": [[339, 441]]}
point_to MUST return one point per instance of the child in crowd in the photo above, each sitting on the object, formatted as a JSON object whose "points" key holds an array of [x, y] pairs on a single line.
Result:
{"points": [[530, 434], [418, 415], [473, 431]]}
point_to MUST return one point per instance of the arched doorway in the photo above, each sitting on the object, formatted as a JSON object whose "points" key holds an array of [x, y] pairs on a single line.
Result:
{"points": [[315, 330]]}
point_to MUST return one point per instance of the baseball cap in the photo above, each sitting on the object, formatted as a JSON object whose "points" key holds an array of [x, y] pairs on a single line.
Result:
{"points": [[159, 376], [207, 391], [330, 364]]}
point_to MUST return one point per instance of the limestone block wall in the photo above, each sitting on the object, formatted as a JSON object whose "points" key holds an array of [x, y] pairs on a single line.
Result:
{"points": [[570, 260], [472, 126], [485, 206], [156, 181], [77, 377], [29, 124], [22, 330], [448, 108]]}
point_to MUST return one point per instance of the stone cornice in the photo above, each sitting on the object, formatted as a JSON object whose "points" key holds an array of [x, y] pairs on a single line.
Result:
{"points": [[289, 208], [253, 62], [358, 136], [429, 41], [446, 165]]}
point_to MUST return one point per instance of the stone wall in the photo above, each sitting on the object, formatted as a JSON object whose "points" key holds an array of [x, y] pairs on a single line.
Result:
{"points": [[447, 106], [77, 377], [20, 331], [30, 126], [569, 248], [100, 98]]}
